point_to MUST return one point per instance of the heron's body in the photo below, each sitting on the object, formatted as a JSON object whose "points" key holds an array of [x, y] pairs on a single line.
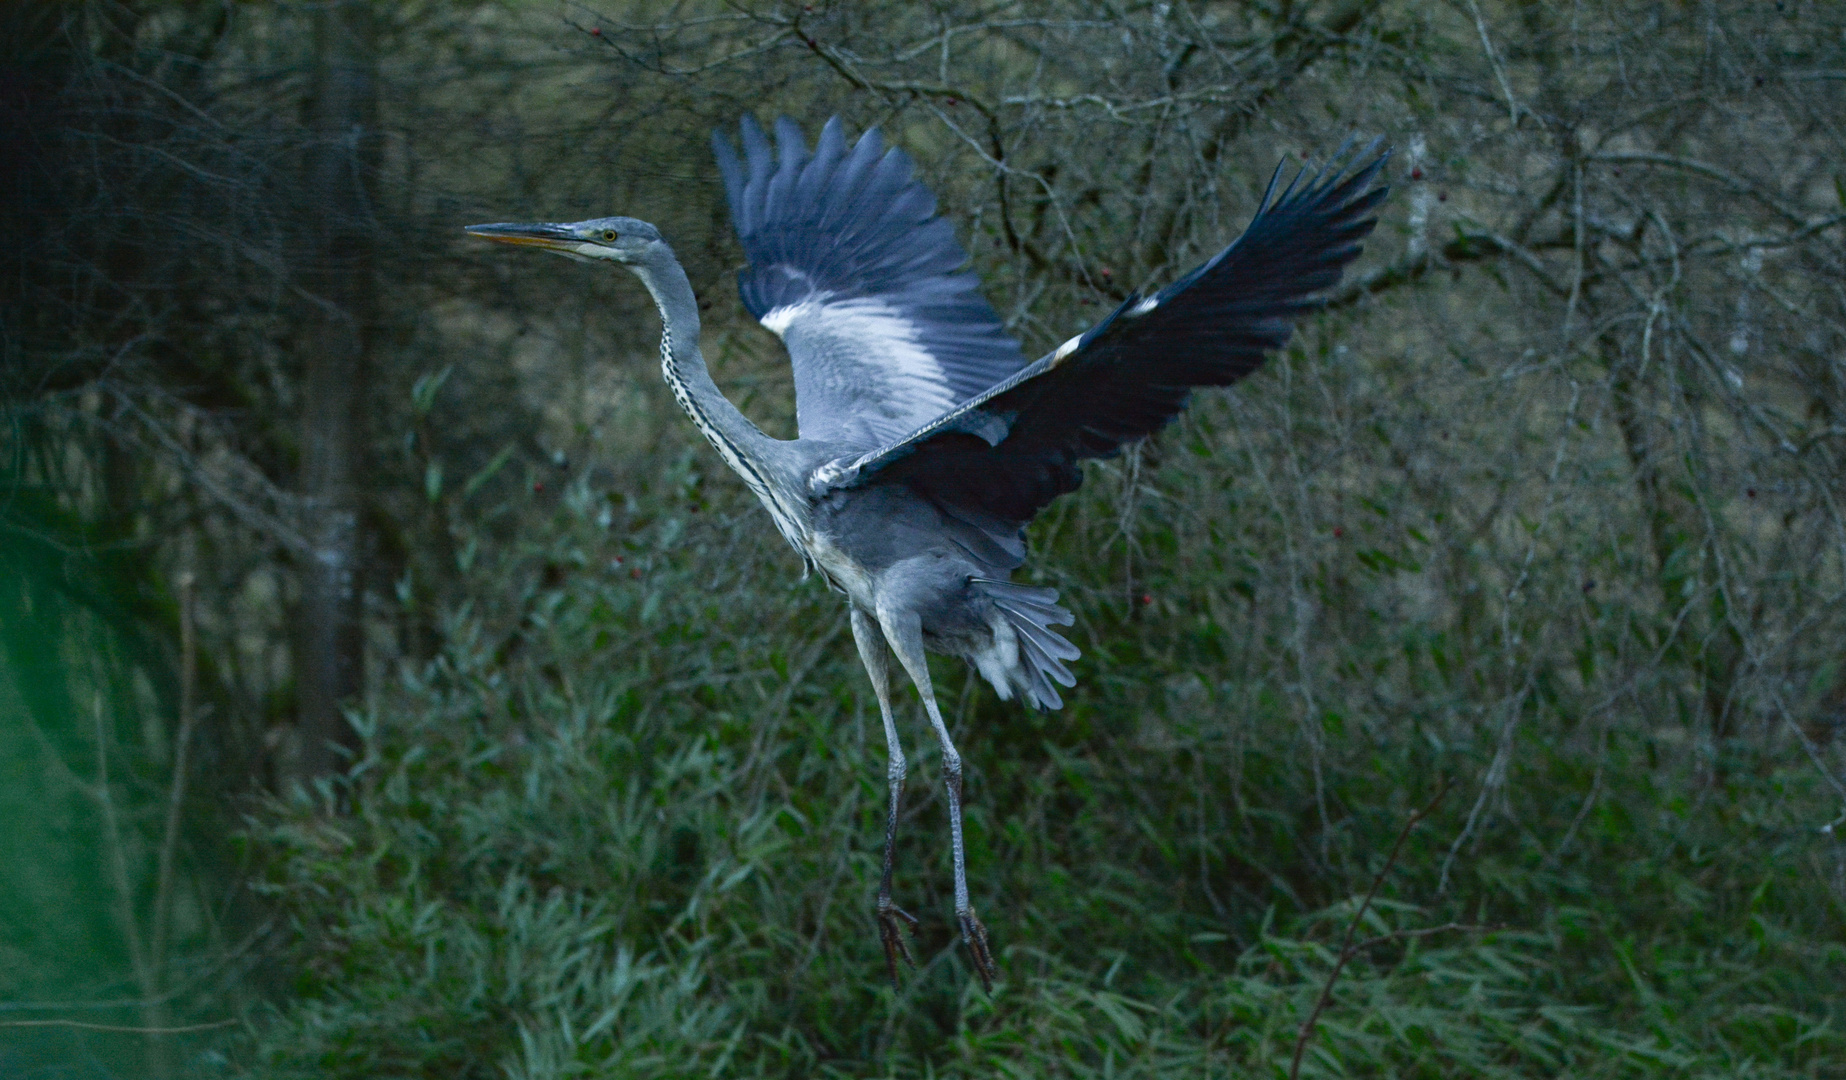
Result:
{"points": [[891, 552], [926, 441], [887, 548]]}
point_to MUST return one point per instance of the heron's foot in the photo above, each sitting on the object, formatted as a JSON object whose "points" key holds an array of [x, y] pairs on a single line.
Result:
{"points": [[975, 934], [891, 935]]}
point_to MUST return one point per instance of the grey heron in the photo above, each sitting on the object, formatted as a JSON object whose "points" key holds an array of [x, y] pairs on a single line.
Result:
{"points": [[926, 442]]}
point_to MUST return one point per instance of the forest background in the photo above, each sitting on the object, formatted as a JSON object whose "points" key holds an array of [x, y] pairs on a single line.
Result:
{"points": [[393, 684]]}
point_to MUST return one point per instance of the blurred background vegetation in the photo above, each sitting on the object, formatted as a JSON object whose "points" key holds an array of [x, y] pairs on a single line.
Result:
{"points": [[392, 684]]}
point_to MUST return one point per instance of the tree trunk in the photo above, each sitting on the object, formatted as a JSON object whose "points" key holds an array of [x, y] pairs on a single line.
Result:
{"points": [[338, 274]]}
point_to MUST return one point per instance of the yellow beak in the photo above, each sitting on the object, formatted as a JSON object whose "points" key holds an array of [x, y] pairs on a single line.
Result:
{"points": [[534, 234]]}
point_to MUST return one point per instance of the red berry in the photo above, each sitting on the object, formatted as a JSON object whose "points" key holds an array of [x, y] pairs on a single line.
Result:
{"points": [[596, 31], [1338, 532], [635, 573], [1416, 174], [538, 488], [1442, 196], [1146, 599]]}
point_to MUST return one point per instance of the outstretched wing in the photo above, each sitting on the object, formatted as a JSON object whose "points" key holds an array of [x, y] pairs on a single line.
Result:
{"points": [[851, 267], [1004, 454]]}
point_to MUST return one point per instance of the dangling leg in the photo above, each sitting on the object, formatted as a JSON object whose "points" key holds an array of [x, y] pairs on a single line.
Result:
{"points": [[877, 663], [905, 633]]}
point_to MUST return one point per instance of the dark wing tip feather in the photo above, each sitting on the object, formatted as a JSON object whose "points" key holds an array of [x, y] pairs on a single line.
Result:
{"points": [[730, 170], [1132, 372]]}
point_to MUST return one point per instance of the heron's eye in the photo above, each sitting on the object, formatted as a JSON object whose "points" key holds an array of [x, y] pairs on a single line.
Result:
{"points": [[609, 235]]}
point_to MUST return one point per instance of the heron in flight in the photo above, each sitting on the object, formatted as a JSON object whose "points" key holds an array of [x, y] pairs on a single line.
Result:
{"points": [[926, 441]]}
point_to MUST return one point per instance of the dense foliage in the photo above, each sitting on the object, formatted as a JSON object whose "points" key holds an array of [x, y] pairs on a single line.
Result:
{"points": [[643, 844], [1464, 685]]}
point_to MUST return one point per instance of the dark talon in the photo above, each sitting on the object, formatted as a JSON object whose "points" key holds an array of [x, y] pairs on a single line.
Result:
{"points": [[892, 937], [975, 934]]}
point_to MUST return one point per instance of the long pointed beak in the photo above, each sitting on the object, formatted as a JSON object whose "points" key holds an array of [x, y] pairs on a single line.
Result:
{"points": [[534, 234]]}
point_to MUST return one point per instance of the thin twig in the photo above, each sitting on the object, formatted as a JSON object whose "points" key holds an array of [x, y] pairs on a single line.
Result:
{"points": [[118, 1028], [1347, 949], [1714, 173], [159, 933], [1423, 932], [118, 861], [1493, 61]]}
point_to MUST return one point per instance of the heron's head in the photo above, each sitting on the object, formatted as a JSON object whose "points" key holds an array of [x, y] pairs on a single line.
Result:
{"points": [[618, 239]]}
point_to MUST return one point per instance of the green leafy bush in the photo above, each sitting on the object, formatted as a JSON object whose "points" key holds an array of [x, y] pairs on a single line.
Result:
{"points": [[628, 823]]}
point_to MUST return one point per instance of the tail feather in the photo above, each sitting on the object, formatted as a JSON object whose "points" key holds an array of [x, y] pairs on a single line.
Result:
{"points": [[1047, 642], [1042, 651], [1046, 611]]}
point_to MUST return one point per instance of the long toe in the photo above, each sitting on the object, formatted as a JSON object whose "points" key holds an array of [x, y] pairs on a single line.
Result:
{"points": [[975, 934], [891, 935]]}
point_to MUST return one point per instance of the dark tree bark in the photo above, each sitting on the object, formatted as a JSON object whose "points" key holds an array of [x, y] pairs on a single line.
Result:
{"points": [[338, 274]]}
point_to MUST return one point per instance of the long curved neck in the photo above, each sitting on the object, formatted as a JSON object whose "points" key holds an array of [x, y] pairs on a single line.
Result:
{"points": [[751, 454], [683, 364]]}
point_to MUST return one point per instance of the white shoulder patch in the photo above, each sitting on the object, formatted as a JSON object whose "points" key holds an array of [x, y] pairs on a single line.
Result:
{"points": [[778, 319], [830, 475], [1145, 306]]}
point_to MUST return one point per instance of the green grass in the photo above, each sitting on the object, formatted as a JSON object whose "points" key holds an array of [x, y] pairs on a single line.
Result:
{"points": [[628, 824]]}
